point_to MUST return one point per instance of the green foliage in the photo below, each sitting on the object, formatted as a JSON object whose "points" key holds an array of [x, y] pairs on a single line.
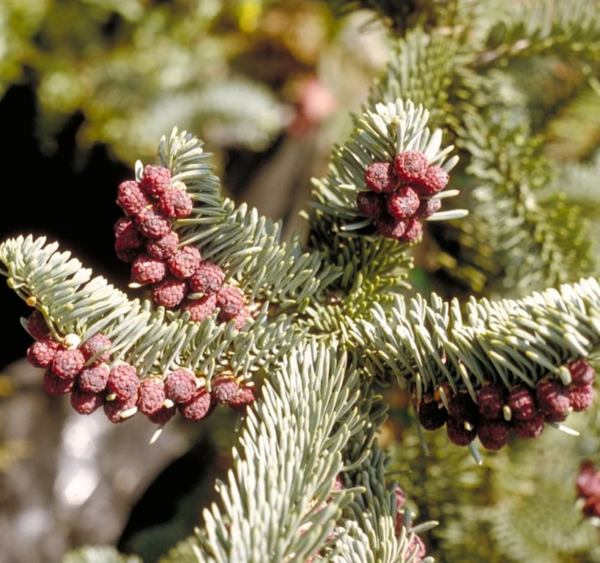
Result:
{"points": [[379, 135], [520, 505], [422, 69], [508, 341], [134, 69], [247, 245], [292, 513]]}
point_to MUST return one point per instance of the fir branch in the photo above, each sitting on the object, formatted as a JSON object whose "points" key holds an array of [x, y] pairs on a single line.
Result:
{"points": [[379, 135], [507, 341], [369, 522], [373, 268], [318, 415], [183, 155], [268, 508], [339, 309], [31, 266], [313, 403], [154, 340]]}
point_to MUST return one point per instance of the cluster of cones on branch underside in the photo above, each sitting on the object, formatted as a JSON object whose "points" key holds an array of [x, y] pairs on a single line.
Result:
{"points": [[85, 371], [499, 411]]}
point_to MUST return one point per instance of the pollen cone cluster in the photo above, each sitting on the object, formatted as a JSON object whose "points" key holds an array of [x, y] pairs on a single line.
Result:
{"points": [[94, 379], [400, 194], [177, 276], [522, 410]]}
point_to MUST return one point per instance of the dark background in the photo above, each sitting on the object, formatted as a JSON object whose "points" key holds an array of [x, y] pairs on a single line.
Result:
{"points": [[47, 194]]}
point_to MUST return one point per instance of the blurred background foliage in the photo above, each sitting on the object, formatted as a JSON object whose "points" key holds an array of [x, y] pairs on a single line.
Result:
{"points": [[134, 68], [269, 84]]}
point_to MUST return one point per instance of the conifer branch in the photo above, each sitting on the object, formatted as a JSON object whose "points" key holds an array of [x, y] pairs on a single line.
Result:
{"points": [[319, 414], [507, 342], [309, 481], [306, 415], [371, 530], [155, 340], [515, 236]]}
